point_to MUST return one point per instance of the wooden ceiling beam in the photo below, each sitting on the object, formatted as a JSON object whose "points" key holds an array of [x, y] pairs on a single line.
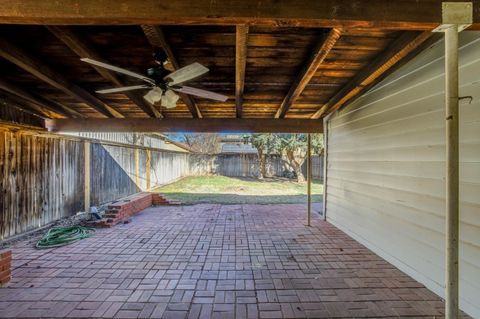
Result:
{"points": [[43, 104], [41, 70], [221, 125], [407, 43], [157, 39], [240, 66], [83, 49], [11, 100], [308, 71], [405, 14]]}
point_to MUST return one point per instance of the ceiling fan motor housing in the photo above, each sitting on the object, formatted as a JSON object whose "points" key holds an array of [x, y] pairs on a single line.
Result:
{"points": [[157, 74]]}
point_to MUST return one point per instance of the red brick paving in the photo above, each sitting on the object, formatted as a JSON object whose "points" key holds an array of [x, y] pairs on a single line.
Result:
{"points": [[213, 261]]}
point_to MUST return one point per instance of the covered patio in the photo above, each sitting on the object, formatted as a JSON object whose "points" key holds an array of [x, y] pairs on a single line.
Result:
{"points": [[213, 261], [379, 78]]}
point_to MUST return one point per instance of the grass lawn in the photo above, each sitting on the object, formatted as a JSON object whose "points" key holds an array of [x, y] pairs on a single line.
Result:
{"points": [[232, 190]]}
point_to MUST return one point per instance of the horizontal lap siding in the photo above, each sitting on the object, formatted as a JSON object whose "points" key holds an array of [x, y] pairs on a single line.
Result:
{"points": [[386, 170], [41, 181]]}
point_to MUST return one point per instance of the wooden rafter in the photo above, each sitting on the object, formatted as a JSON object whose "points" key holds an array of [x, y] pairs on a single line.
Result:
{"points": [[84, 50], [405, 14], [187, 125], [42, 71], [316, 58], [374, 71], [240, 65], [40, 102], [11, 100], [5, 101], [157, 38]]}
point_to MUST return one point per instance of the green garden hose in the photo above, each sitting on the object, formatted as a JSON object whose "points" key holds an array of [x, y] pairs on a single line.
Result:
{"points": [[60, 236]]}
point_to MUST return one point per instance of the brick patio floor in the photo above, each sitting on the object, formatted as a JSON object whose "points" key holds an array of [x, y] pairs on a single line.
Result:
{"points": [[213, 261]]}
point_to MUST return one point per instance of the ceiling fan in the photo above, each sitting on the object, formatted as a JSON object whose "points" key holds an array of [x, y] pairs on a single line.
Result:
{"points": [[162, 85]]}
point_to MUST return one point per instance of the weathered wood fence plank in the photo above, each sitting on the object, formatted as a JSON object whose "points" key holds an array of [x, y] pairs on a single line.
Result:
{"points": [[247, 165]]}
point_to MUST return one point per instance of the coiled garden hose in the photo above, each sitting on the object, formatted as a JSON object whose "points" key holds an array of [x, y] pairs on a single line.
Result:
{"points": [[60, 236]]}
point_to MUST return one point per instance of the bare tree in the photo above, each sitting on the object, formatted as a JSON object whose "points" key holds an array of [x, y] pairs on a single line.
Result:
{"points": [[206, 143]]}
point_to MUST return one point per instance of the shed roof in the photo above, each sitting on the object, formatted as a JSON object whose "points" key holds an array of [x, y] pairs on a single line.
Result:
{"points": [[238, 148]]}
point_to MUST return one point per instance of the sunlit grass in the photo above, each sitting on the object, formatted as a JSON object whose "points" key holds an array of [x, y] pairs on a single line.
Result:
{"points": [[231, 190]]}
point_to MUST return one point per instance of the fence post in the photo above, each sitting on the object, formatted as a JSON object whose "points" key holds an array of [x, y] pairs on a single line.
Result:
{"points": [[148, 168], [137, 169], [87, 163]]}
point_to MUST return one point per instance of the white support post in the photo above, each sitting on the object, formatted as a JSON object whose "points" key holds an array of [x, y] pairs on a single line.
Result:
{"points": [[309, 180], [456, 16], [452, 192], [325, 162]]}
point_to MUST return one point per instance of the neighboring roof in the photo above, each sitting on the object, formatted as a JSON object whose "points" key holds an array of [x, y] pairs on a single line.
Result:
{"points": [[234, 138], [238, 148]]}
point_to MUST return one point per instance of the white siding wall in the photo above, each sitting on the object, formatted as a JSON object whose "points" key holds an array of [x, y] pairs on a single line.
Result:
{"points": [[386, 170]]}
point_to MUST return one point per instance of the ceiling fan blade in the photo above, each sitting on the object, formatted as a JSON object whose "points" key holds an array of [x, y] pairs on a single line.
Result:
{"points": [[119, 70], [186, 73], [201, 93], [123, 89]]}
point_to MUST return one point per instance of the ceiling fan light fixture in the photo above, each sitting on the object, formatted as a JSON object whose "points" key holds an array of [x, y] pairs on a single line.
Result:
{"points": [[154, 95], [169, 99], [157, 81]]}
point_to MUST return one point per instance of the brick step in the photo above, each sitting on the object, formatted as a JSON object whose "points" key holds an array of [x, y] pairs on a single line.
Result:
{"points": [[123, 209], [158, 199], [5, 266]]}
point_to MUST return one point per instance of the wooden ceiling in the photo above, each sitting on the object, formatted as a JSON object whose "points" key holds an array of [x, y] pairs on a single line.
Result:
{"points": [[269, 67]]}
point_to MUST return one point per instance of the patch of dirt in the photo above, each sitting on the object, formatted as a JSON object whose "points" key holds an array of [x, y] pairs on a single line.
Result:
{"points": [[34, 235], [235, 189]]}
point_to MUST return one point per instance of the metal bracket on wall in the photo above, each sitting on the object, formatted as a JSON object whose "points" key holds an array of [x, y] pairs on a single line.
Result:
{"points": [[469, 98], [456, 13]]}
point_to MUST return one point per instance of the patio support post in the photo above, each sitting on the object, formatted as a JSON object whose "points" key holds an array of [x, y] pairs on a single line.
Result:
{"points": [[456, 16], [325, 161], [309, 180], [87, 163], [452, 203]]}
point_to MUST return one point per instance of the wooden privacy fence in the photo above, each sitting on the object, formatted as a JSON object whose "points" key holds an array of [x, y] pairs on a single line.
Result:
{"points": [[119, 171], [41, 180], [45, 177], [247, 165], [42, 176]]}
